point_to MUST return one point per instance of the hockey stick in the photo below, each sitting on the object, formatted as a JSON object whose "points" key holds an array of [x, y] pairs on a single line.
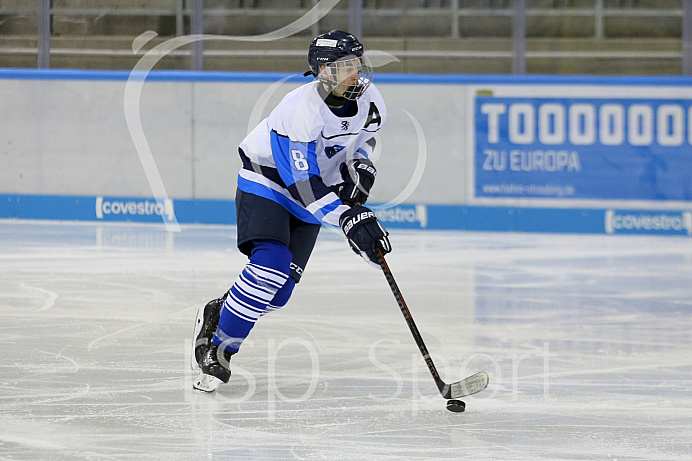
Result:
{"points": [[469, 386]]}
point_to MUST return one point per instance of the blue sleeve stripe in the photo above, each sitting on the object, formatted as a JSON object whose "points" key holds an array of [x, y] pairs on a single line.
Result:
{"points": [[332, 213], [362, 152], [331, 207], [326, 212], [295, 161]]}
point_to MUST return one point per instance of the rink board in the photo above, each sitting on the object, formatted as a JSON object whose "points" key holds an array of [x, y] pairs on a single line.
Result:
{"points": [[403, 216], [581, 154]]}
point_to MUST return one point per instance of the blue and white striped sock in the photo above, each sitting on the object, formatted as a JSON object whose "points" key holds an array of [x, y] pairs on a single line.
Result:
{"points": [[281, 297], [253, 293]]}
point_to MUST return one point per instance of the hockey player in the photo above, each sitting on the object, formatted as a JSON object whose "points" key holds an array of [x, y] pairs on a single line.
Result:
{"points": [[305, 165]]}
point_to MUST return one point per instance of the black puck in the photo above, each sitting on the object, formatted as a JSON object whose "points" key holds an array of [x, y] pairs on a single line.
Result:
{"points": [[456, 406]]}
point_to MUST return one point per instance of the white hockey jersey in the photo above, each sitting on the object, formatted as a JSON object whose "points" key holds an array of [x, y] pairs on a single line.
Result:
{"points": [[293, 156]]}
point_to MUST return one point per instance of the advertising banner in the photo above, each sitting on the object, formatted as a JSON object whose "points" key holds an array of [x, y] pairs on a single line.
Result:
{"points": [[402, 216], [611, 148]]}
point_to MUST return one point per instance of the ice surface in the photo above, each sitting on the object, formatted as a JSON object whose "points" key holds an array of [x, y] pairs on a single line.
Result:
{"points": [[586, 340]]}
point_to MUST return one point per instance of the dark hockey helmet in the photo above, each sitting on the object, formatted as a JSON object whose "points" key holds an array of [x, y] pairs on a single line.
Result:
{"points": [[336, 54]]}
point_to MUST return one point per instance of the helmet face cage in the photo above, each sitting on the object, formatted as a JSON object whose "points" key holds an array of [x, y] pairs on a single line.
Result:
{"points": [[350, 76]]}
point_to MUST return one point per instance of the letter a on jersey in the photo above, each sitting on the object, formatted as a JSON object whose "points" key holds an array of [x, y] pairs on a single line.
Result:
{"points": [[373, 116]]}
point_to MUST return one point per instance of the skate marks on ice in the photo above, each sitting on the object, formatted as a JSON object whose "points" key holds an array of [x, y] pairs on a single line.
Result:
{"points": [[585, 338]]}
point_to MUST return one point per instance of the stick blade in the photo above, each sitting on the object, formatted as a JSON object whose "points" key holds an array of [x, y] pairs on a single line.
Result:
{"points": [[469, 386]]}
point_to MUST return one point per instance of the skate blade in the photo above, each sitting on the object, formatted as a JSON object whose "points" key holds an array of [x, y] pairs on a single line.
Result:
{"points": [[199, 321], [206, 383]]}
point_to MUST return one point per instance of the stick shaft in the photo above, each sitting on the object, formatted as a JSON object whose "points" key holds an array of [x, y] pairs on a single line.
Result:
{"points": [[411, 324]]}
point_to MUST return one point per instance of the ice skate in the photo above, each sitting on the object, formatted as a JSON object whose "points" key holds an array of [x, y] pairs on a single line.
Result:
{"points": [[205, 326], [214, 369]]}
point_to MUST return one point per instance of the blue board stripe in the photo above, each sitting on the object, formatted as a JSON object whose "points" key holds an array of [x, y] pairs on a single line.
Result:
{"points": [[414, 79], [404, 216]]}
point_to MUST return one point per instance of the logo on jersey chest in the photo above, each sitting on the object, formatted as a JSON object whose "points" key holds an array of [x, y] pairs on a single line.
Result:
{"points": [[344, 125], [331, 151]]}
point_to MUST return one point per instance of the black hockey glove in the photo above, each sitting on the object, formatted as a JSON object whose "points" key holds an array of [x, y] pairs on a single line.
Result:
{"points": [[359, 176], [364, 233]]}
